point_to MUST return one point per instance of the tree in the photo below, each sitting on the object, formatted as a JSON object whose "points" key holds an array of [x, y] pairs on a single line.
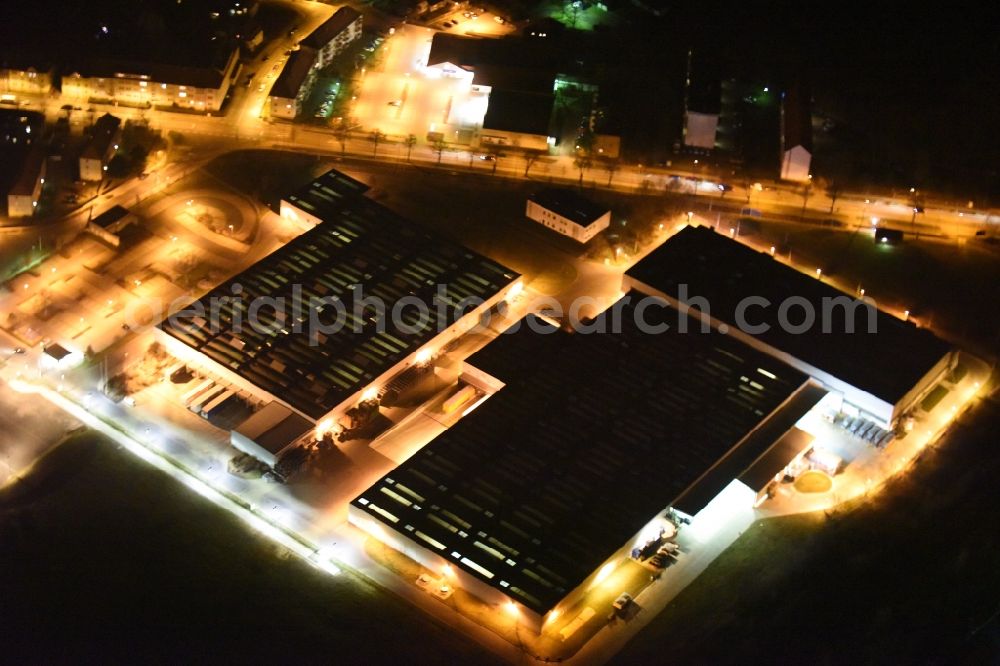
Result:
{"points": [[439, 148], [806, 193], [529, 159], [411, 140], [138, 156], [119, 166], [376, 137], [582, 162], [342, 133], [611, 166], [832, 188], [572, 11]]}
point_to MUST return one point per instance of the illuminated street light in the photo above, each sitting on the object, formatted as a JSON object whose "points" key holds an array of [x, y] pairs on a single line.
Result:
{"points": [[603, 573], [690, 215], [906, 315], [772, 250], [512, 608], [819, 272], [874, 221]]}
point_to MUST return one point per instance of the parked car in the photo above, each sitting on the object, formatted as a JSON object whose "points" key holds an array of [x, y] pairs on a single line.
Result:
{"points": [[668, 549], [623, 601]]}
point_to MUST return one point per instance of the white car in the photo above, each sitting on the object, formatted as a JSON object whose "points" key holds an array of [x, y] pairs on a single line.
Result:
{"points": [[668, 549], [623, 601]]}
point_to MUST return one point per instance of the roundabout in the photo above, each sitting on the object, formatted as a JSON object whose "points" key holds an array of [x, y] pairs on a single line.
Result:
{"points": [[813, 481], [214, 215]]}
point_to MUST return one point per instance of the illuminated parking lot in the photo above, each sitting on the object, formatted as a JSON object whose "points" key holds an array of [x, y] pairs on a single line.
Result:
{"points": [[404, 97]]}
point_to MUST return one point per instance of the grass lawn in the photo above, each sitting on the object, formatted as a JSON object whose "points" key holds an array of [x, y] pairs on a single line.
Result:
{"points": [[265, 174], [106, 559], [910, 577], [946, 285], [932, 399], [483, 212]]}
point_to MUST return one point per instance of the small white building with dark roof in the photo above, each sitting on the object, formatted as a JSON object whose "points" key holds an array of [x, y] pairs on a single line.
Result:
{"points": [[568, 213]]}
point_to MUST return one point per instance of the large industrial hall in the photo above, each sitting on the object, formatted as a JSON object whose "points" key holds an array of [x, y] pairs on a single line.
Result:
{"points": [[578, 453]]}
